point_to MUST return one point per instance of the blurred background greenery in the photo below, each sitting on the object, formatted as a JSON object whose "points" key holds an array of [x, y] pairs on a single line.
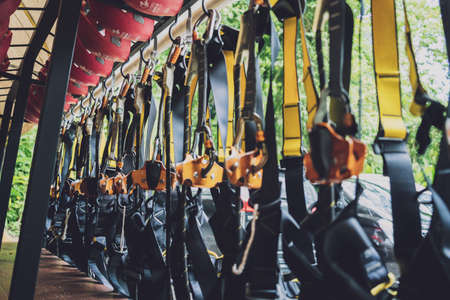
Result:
{"points": [[429, 46]]}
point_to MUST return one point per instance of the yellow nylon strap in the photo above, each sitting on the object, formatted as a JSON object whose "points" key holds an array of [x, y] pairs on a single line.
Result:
{"points": [[387, 73], [172, 145], [229, 63], [172, 152], [62, 158], [72, 162], [292, 134], [102, 145], [415, 108], [242, 100], [192, 89], [312, 100]]}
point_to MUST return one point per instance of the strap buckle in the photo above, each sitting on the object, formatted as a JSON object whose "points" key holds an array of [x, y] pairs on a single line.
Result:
{"points": [[389, 145], [285, 9]]}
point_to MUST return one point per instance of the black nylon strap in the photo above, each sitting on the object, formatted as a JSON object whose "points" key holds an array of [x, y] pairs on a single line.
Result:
{"points": [[107, 145], [337, 33], [202, 267], [262, 266], [178, 103], [405, 208], [219, 86], [93, 153], [68, 140], [348, 43], [442, 174]]}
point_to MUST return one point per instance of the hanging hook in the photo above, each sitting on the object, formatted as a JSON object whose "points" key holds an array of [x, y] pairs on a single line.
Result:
{"points": [[104, 87], [121, 72], [142, 56], [171, 27], [155, 44], [205, 10]]}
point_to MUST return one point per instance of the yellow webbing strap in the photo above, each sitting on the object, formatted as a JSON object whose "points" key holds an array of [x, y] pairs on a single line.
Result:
{"points": [[415, 108], [101, 146], [243, 87], [229, 62], [62, 158], [192, 90], [292, 135], [387, 74], [72, 161], [172, 152]]}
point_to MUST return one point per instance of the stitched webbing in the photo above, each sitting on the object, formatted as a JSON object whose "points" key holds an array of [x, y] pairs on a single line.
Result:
{"points": [[387, 69]]}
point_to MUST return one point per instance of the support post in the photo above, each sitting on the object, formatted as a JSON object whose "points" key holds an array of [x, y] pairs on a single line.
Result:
{"points": [[36, 204], [44, 27]]}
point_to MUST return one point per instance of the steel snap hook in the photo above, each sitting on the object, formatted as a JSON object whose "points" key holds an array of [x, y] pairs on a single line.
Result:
{"points": [[171, 27]]}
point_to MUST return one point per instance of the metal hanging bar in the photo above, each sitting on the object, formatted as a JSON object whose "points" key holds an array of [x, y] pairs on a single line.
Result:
{"points": [[31, 8], [19, 45], [22, 28], [163, 40], [36, 203]]}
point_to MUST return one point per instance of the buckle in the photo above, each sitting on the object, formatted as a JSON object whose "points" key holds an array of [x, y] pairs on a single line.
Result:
{"points": [[291, 162], [285, 9], [333, 158], [384, 145]]}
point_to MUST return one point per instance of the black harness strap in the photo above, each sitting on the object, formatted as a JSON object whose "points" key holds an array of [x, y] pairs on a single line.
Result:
{"points": [[442, 174], [68, 139], [392, 147]]}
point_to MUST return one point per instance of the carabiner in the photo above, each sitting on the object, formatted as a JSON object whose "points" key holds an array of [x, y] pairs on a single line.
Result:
{"points": [[214, 19]]}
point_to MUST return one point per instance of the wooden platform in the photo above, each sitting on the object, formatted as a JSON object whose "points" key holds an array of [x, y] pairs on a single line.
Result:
{"points": [[57, 280]]}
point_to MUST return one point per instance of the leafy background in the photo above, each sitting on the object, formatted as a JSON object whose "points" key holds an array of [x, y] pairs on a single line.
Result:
{"points": [[429, 46]]}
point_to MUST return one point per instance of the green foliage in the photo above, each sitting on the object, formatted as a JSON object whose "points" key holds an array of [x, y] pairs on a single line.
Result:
{"points": [[431, 56], [20, 181]]}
